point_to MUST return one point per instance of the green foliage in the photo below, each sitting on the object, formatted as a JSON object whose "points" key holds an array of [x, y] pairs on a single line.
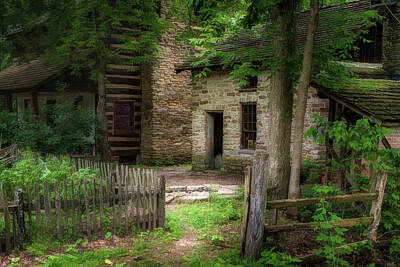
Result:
{"points": [[329, 236], [311, 171], [394, 250], [101, 257], [41, 245], [78, 32], [69, 132], [166, 161], [272, 258]]}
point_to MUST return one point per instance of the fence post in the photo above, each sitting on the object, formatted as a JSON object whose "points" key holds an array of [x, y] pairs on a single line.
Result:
{"points": [[161, 203], [20, 216], [377, 206], [247, 174], [6, 218]]}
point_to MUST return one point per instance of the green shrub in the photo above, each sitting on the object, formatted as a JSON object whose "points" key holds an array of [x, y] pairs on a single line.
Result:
{"points": [[68, 131]]}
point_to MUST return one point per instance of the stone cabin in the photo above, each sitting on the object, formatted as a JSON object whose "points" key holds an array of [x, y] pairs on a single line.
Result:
{"points": [[148, 107], [229, 121]]}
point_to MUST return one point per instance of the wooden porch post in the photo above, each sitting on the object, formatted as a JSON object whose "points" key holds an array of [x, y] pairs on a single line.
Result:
{"points": [[35, 103], [9, 103]]}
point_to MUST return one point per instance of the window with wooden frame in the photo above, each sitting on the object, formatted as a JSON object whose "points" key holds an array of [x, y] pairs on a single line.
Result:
{"points": [[124, 119], [249, 126], [251, 86]]}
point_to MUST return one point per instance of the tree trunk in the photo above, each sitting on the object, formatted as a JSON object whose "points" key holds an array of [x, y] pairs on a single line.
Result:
{"points": [[101, 136], [254, 229], [284, 16], [301, 104]]}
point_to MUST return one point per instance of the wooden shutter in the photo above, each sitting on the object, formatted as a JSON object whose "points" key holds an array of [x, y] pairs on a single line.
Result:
{"points": [[123, 118]]}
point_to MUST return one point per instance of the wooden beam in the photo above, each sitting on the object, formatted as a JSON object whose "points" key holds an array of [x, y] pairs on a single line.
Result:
{"points": [[124, 86], [386, 143], [34, 103], [304, 226], [124, 148], [123, 139], [9, 103], [123, 96], [300, 202], [119, 76]]}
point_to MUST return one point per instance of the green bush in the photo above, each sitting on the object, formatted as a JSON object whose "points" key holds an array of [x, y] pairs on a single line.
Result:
{"points": [[67, 130]]}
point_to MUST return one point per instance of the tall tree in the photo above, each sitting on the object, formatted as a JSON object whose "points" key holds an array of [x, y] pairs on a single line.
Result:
{"points": [[301, 103], [79, 34]]}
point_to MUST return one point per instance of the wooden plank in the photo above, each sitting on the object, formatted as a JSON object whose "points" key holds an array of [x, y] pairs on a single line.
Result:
{"points": [[268, 229], [37, 207], [154, 198], [47, 207], [6, 218], [94, 207], [377, 206], [29, 209], [80, 224], [101, 206], [122, 67], [126, 198], [66, 219], [86, 194], [125, 148], [123, 139], [58, 210], [148, 193], [137, 96], [20, 217], [119, 76], [245, 218], [161, 205], [73, 207], [142, 198], [132, 189], [137, 196], [112, 193], [124, 86], [111, 104], [119, 216], [284, 203]]}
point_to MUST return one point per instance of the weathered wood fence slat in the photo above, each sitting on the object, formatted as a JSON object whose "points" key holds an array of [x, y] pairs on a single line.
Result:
{"points": [[116, 199]]}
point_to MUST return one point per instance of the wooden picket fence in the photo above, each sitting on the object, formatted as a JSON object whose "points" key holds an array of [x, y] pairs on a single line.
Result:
{"points": [[117, 199]]}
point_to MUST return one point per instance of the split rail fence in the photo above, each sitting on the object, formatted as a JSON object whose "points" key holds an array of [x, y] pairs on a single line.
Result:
{"points": [[117, 199], [375, 195]]}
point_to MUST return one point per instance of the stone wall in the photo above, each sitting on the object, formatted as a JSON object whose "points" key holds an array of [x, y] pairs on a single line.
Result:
{"points": [[219, 93], [166, 120]]}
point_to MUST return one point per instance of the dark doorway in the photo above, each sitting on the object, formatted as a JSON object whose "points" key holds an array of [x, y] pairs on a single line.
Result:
{"points": [[214, 142]]}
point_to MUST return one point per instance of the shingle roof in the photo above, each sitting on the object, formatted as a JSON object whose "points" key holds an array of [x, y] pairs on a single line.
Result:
{"points": [[27, 75], [246, 41], [375, 98]]}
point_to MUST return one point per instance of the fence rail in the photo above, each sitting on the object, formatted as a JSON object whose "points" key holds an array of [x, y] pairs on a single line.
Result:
{"points": [[117, 199]]}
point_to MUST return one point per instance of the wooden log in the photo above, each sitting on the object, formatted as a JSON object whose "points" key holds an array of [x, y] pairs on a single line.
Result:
{"points": [[73, 207], [347, 223], [247, 175], [6, 218], [86, 194], [47, 207], [377, 206], [94, 207], [58, 210], [284, 203], [161, 205], [253, 240], [37, 207], [29, 209], [101, 206]]}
